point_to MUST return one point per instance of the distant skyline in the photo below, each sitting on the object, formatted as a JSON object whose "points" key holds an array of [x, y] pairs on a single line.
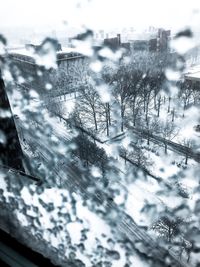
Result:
{"points": [[69, 15]]}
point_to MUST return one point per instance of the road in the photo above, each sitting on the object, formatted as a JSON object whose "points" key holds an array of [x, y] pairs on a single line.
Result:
{"points": [[178, 148]]}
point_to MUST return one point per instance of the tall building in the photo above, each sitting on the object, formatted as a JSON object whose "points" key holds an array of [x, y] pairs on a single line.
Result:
{"points": [[113, 43], [153, 43], [140, 45], [163, 40]]}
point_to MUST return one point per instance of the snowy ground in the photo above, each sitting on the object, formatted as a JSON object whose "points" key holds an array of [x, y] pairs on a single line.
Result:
{"points": [[139, 193]]}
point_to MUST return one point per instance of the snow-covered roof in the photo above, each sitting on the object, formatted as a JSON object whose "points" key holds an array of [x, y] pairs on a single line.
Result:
{"points": [[29, 51], [193, 73], [25, 51], [193, 76]]}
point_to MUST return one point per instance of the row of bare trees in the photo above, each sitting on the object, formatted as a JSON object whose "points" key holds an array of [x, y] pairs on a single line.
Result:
{"points": [[135, 100]]}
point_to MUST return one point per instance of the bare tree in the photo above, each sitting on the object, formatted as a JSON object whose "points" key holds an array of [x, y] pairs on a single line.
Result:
{"points": [[88, 104], [120, 79], [189, 144], [151, 127], [167, 227], [106, 114], [168, 131]]}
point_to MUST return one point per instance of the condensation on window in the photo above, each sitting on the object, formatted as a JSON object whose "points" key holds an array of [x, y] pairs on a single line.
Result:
{"points": [[100, 131]]}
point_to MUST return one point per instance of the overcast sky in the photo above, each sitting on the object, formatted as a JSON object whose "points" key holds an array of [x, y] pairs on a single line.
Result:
{"points": [[99, 14]]}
